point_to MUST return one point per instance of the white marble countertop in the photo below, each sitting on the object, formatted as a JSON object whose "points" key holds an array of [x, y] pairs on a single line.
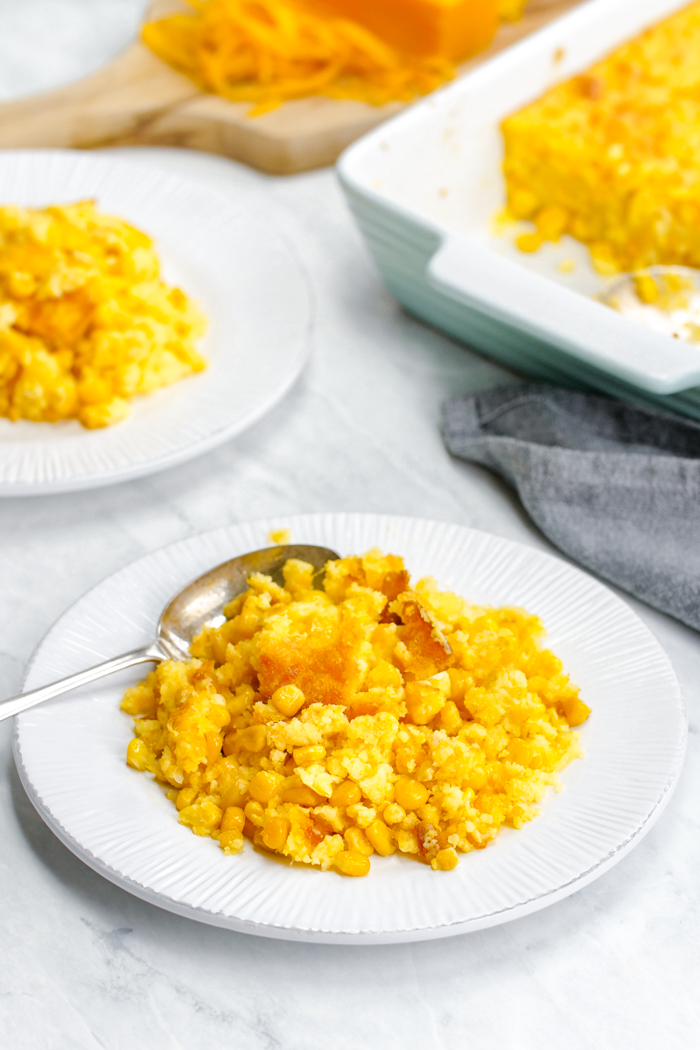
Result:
{"points": [[87, 966]]}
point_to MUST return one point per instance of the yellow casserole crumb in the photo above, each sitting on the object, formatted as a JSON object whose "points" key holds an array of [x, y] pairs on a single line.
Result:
{"points": [[612, 157], [85, 320], [366, 718], [280, 536]]}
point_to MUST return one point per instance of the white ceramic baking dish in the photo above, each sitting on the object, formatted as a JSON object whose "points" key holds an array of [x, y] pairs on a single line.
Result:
{"points": [[426, 188]]}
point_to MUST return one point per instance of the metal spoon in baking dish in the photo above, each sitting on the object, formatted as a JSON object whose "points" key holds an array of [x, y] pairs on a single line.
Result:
{"points": [[200, 604], [663, 298]]}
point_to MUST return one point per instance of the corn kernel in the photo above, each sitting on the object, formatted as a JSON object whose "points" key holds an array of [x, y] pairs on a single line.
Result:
{"points": [[302, 795], [346, 793], [380, 838], [575, 711], [393, 814], [264, 786], [254, 738], [529, 242], [450, 719], [288, 699], [352, 863], [219, 715], [551, 222], [233, 819], [185, 798], [357, 840], [232, 795], [446, 859], [410, 794], [646, 287], [254, 813], [214, 745], [275, 832], [384, 675], [306, 756], [139, 756]]}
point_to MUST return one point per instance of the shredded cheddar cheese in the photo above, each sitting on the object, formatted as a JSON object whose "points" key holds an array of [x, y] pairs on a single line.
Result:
{"points": [[268, 51]]}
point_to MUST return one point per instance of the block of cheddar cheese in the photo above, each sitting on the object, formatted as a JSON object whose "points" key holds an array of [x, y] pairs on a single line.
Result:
{"points": [[453, 29]]}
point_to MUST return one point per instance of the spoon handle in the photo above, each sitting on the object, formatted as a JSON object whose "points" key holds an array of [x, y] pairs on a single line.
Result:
{"points": [[15, 704]]}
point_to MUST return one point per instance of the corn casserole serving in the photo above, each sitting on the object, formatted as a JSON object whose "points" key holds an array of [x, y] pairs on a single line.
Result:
{"points": [[364, 717], [612, 156], [86, 322]]}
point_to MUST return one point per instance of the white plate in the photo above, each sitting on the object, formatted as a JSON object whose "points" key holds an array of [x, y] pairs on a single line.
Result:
{"points": [[245, 277], [70, 753]]}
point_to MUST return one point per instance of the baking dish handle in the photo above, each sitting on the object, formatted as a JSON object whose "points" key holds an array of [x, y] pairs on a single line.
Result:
{"points": [[562, 318]]}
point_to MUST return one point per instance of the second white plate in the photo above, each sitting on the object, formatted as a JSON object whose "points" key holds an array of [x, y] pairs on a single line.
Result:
{"points": [[71, 752], [249, 283]]}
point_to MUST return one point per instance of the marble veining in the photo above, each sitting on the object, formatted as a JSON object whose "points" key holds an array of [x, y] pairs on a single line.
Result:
{"points": [[87, 966]]}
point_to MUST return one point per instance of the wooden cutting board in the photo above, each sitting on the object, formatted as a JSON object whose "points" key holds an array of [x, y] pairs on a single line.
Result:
{"points": [[138, 100]]}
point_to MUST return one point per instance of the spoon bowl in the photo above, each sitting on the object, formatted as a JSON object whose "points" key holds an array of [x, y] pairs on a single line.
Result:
{"points": [[663, 298], [198, 605]]}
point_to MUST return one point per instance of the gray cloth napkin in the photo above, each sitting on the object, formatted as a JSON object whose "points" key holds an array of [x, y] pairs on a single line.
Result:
{"points": [[615, 487]]}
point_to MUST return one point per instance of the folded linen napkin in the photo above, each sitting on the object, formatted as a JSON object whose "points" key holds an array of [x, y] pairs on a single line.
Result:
{"points": [[615, 487]]}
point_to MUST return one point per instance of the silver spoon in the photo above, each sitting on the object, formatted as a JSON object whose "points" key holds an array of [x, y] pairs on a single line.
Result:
{"points": [[196, 606], [672, 309]]}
